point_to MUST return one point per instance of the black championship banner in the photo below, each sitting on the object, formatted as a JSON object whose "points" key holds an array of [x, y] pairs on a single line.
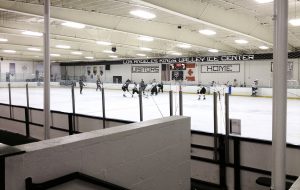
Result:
{"points": [[177, 75], [220, 68], [145, 69]]}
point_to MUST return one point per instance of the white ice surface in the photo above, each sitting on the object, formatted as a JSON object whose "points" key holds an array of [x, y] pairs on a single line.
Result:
{"points": [[255, 112]]}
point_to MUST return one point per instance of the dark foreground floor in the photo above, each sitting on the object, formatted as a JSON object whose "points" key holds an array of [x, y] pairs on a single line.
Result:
{"points": [[14, 139], [201, 185]]}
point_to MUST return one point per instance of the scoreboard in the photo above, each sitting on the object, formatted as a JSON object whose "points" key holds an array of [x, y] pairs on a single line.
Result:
{"points": [[177, 66]]}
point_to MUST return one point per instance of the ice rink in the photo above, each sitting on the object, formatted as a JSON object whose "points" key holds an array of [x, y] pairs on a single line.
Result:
{"points": [[255, 112]]}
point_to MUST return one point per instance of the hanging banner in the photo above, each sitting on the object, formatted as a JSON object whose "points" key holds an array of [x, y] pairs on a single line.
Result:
{"points": [[191, 59], [220, 68], [145, 69], [190, 72]]}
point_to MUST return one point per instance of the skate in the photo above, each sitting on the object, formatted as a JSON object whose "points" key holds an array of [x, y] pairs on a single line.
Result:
{"points": [[124, 95]]}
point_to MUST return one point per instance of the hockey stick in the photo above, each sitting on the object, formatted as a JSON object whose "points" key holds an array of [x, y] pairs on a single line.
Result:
{"points": [[157, 107]]}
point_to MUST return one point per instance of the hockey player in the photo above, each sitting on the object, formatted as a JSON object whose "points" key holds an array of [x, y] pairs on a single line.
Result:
{"points": [[81, 84], [154, 87], [160, 87], [98, 84], [135, 89], [125, 88], [142, 86], [201, 91], [254, 87]]}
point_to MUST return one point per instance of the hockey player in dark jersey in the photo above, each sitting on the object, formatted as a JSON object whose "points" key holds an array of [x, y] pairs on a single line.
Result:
{"points": [[81, 84], [135, 89], [125, 88], [154, 87], [201, 91], [142, 86], [98, 84], [160, 87]]}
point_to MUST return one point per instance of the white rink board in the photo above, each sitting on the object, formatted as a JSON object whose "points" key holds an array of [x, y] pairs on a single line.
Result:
{"points": [[255, 112]]}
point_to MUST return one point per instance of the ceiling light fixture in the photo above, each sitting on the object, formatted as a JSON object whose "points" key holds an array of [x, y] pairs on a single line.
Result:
{"points": [[241, 41], [89, 57], [146, 38], [76, 53], [108, 51], [113, 56], [263, 47], [145, 49], [9, 51], [143, 14], [104, 43], [63, 46], [3, 40], [184, 46], [34, 49], [54, 55], [264, 1], [141, 55], [176, 53], [295, 22], [73, 25], [207, 32], [213, 50], [31, 33]]}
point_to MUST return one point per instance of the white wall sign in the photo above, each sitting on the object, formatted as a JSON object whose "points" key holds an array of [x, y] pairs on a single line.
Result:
{"points": [[145, 69], [220, 68]]}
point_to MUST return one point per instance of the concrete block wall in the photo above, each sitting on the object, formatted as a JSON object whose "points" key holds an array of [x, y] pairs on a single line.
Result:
{"points": [[151, 155]]}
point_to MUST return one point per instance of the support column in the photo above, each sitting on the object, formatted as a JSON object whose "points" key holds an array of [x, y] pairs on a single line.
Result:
{"points": [[280, 56], [215, 126], [103, 108], [46, 69], [171, 102], [141, 104]]}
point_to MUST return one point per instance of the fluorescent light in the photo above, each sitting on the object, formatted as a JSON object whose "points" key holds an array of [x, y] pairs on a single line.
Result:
{"points": [[113, 56], [145, 49], [9, 51], [207, 32], [263, 47], [146, 38], [143, 14], [3, 40], [264, 1], [31, 33], [141, 54], [241, 41], [89, 57], [63, 46], [184, 46], [176, 53], [76, 53], [73, 25], [104, 43], [213, 50], [34, 49], [295, 22], [54, 55], [108, 51]]}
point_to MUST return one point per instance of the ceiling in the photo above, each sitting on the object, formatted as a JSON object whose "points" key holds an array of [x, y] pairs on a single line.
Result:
{"points": [[176, 22]]}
